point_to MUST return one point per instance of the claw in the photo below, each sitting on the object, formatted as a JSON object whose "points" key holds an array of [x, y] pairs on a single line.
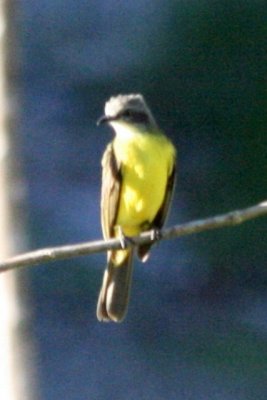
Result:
{"points": [[124, 240], [155, 235]]}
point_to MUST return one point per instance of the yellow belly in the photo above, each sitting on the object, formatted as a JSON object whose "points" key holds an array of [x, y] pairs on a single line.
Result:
{"points": [[146, 161]]}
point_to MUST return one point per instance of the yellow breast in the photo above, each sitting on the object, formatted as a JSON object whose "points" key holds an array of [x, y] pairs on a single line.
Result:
{"points": [[146, 162]]}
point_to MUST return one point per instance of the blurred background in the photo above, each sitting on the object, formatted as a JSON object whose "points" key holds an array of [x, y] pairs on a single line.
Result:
{"points": [[196, 328]]}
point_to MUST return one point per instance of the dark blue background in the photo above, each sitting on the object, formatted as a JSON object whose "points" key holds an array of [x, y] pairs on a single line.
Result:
{"points": [[196, 327]]}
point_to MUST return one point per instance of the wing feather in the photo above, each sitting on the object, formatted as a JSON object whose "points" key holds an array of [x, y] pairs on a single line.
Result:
{"points": [[161, 216], [164, 209], [110, 195]]}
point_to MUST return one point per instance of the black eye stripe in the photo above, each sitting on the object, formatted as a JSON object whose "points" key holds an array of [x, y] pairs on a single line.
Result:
{"points": [[135, 116]]}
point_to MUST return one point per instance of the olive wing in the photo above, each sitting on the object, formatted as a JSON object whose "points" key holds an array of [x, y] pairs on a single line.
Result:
{"points": [[164, 209], [110, 193], [157, 223]]}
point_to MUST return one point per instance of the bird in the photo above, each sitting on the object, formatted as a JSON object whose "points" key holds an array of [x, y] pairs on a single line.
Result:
{"points": [[138, 179]]}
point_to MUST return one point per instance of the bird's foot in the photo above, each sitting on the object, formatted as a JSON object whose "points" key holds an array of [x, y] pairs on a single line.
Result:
{"points": [[124, 240], [156, 235]]}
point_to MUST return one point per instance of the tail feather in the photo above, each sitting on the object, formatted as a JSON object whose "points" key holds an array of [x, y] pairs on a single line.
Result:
{"points": [[114, 295], [143, 251]]}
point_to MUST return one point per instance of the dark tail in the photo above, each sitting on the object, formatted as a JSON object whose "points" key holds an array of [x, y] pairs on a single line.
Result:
{"points": [[114, 295]]}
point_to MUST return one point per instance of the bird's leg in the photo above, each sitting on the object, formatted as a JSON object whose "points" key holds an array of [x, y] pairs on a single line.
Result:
{"points": [[124, 240], [156, 235]]}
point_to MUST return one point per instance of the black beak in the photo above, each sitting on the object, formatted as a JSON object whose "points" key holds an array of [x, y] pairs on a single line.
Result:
{"points": [[104, 120]]}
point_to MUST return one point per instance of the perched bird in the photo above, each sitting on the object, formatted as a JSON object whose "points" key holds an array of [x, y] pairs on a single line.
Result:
{"points": [[137, 183]]}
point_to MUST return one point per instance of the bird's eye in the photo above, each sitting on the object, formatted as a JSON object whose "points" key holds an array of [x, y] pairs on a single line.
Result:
{"points": [[127, 114], [133, 116]]}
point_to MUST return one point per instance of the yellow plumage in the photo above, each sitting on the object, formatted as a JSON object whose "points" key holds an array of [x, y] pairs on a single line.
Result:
{"points": [[146, 160]]}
